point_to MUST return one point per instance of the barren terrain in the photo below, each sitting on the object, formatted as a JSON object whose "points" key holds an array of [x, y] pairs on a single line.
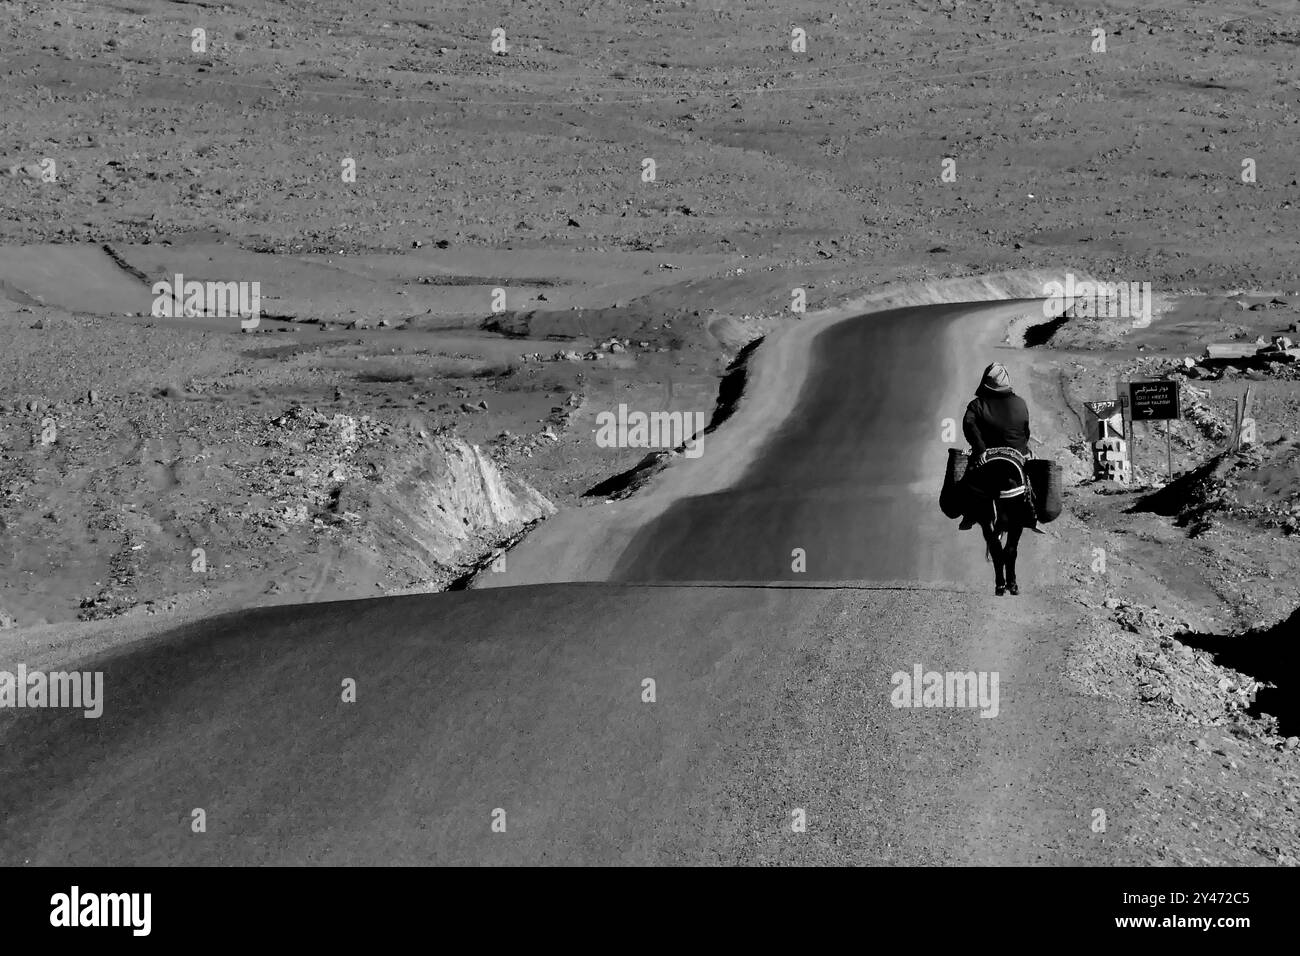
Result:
{"points": [[394, 424]]}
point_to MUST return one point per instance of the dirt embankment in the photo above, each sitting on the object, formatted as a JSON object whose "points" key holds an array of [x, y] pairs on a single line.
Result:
{"points": [[123, 509]]}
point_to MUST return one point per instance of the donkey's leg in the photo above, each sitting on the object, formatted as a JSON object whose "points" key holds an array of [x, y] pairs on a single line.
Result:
{"points": [[1009, 556], [994, 543]]}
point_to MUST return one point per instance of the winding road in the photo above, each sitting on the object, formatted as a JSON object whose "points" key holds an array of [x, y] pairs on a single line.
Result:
{"points": [[850, 476], [684, 697]]}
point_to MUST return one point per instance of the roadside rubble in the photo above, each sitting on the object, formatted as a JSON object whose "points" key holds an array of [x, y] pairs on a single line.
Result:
{"points": [[1136, 654], [1264, 358], [507, 445], [1249, 485], [611, 346]]}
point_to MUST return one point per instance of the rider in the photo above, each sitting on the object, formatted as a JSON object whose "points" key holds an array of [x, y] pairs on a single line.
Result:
{"points": [[996, 418]]}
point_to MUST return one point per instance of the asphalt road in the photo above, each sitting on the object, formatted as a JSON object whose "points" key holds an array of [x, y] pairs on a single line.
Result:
{"points": [[850, 478], [533, 700]]}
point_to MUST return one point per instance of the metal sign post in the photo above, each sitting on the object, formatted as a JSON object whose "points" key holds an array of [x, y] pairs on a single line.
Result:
{"points": [[1169, 454]]}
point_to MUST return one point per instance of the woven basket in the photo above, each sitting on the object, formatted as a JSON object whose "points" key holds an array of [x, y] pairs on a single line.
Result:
{"points": [[1044, 476], [952, 499]]}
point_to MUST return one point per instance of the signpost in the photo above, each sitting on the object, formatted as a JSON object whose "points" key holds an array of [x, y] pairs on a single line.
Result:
{"points": [[1105, 420], [1153, 402], [1240, 414]]}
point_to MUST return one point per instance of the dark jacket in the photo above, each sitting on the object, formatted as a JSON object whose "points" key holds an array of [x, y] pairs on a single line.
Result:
{"points": [[996, 421]]}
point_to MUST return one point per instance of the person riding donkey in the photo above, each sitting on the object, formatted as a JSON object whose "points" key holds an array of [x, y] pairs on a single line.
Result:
{"points": [[996, 425]]}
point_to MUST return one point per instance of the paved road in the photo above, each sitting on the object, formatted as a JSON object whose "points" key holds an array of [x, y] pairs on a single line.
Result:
{"points": [[851, 476], [531, 700]]}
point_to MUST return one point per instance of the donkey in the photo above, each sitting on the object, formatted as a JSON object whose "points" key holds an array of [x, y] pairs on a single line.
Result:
{"points": [[1000, 500]]}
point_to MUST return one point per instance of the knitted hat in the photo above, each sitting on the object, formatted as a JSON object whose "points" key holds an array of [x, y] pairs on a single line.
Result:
{"points": [[996, 380]]}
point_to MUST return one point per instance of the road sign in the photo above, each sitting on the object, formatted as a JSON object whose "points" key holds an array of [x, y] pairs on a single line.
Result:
{"points": [[1105, 420], [1154, 401]]}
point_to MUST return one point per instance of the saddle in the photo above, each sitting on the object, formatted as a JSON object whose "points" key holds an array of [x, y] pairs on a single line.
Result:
{"points": [[1014, 493], [1013, 459]]}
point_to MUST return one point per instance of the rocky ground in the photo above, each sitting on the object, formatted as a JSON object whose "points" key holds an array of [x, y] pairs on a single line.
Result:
{"points": [[1189, 585], [390, 424]]}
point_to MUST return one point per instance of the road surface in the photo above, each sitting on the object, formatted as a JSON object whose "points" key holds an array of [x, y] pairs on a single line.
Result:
{"points": [[849, 478], [533, 704]]}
